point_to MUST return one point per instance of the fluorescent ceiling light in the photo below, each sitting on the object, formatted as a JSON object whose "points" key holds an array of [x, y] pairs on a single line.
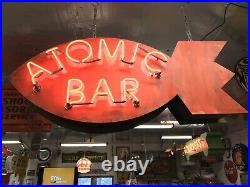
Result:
{"points": [[176, 137], [170, 122], [41, 150], [198, 125], [182, 125], [4, 173], [83, 144], [192, 125], [11, 142], [154, 126]]}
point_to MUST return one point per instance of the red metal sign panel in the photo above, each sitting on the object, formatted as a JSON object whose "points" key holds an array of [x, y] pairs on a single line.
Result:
{"points": [[106, 80]]}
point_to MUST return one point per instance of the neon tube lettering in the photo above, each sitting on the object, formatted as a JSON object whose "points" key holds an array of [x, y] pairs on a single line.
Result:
{"points": [[75, 91], [136, 49], [104, 44], [153, 70], [76, 60], [133, 58], [38, 73], [52, 50], [102, 83], [130, 92]]}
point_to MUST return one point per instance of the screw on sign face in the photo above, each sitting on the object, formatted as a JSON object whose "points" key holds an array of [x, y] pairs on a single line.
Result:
{"points": [[83, 165]]}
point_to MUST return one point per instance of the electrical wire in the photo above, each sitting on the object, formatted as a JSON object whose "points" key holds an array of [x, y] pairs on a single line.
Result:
{"points": [[238, 5], [224, 19]]}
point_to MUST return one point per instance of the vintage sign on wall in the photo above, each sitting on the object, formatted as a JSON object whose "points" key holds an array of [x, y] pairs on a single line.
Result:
{"points": [[240, 156], [83, 165], [58, 176], [230, 171], [18, 115], [92, 156], [104, 82], [209, 143]]}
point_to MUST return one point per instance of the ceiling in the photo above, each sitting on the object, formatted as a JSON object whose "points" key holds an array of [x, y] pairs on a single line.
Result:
{"points": [[30, 28]]}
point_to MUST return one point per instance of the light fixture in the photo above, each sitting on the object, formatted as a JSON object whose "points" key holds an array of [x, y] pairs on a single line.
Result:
{"points": [[11, 142], [193, 125], [170, 122], [4, 173], [197, 125], [176, 137], [178, 125], [155, 126], [83, 144]]}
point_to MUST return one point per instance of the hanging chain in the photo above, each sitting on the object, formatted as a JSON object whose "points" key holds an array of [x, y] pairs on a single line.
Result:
{"points": [[187, 25], [77, 29], [77, 23], [95, 5]]}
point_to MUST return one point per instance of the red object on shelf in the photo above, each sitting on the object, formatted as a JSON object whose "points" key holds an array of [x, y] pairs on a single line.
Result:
{"points": [[6, 151]]}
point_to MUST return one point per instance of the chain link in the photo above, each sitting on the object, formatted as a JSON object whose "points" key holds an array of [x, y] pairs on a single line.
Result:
{"points": [[94, 25]]}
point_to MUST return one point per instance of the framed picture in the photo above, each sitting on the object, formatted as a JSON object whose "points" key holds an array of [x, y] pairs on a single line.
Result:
{"points": [[122, 153]]}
